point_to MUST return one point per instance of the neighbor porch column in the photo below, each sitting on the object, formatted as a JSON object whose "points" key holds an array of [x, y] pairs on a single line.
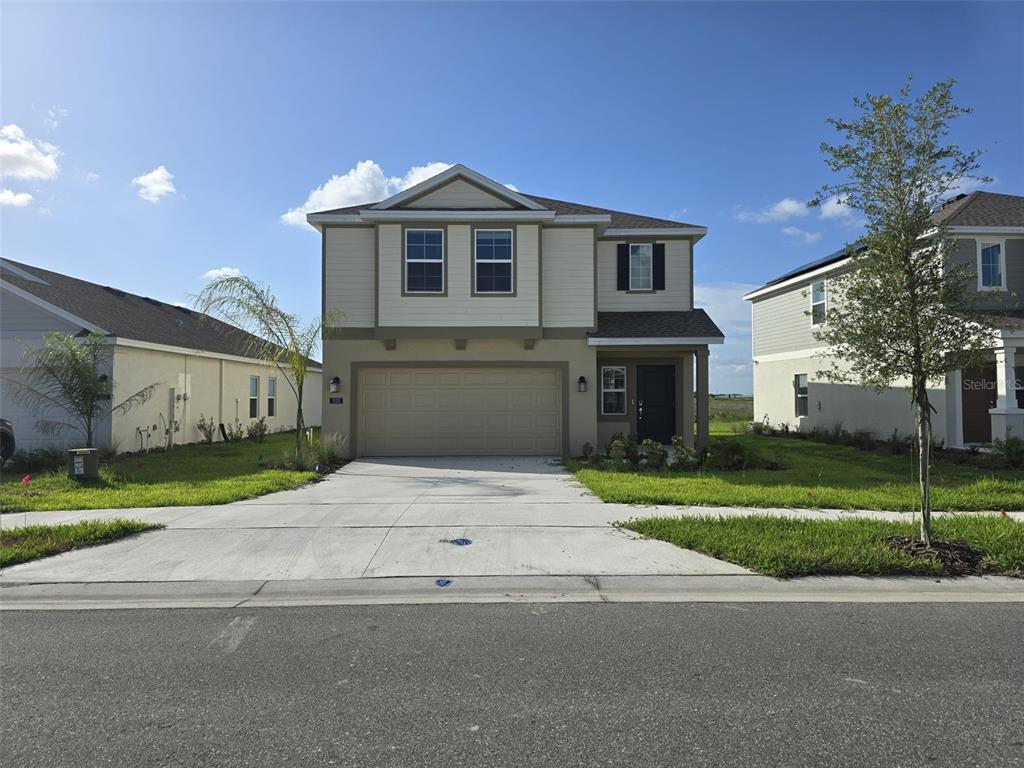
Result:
{"points": [[1007, 418], [702, 398], [687, 404]]}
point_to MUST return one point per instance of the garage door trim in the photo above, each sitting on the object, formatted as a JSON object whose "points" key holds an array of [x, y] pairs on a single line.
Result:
{"points": [[357, 367]]}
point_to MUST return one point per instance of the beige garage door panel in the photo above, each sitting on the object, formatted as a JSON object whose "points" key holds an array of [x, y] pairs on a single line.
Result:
{"points": [[426, 411]]}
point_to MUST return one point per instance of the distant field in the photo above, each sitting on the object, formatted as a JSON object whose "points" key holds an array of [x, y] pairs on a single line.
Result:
{"points": [[730, 414]]}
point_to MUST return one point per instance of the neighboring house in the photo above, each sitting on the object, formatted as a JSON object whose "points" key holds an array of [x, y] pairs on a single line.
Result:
{"points": [[973, 405], [480, 320], [200, 365]]}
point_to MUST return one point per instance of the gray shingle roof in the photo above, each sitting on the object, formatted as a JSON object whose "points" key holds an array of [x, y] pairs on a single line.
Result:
{"points": [[626, 325], [565, 208], [129, 316]]}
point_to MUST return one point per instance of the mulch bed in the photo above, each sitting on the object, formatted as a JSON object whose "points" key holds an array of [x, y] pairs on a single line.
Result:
{"points": [[958, 558]]}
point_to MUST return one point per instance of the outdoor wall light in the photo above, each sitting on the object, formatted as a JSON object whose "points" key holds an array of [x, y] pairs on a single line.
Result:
{"points": [[335, 385], [581, 384]]}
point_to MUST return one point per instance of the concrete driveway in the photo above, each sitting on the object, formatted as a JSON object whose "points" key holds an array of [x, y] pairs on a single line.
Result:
{"points": [[382, 518]]}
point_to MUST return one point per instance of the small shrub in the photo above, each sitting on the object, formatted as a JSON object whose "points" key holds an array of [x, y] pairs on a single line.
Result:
{"points": [[595, 460], [617, 451], [632, 450], [588, 451], [207, 428], [235, 432], [618, 436], [257, 430], [683, 458], [37, 460], [1010, 450], [655, 455]]}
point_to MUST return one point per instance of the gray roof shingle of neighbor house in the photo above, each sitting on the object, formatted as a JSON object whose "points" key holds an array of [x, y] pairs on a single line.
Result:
{"points": [[622, 325], [977, 209], [127, 315], [619, 219]]}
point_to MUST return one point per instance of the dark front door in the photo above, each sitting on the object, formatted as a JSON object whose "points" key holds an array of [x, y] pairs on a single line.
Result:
{"points": [[656, 402], [979, 394]]}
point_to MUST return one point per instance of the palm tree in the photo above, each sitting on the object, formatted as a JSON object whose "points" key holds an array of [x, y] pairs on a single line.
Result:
{"points": [[274, 336]]}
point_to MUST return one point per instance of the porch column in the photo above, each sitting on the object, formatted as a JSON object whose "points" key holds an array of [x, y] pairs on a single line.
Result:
{"points": [[687, 404], [1007, 418], [702, 398]]}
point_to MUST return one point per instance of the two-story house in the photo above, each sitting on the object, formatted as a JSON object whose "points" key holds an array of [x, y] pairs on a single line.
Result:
{"points": [[469, 318], [987, 231]]}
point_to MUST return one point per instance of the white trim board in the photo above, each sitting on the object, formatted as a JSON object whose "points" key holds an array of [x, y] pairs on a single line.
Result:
{"points": [[803, 277]]}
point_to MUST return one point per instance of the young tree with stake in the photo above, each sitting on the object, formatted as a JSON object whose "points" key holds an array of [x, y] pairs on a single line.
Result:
{"points": [[902, 315]]}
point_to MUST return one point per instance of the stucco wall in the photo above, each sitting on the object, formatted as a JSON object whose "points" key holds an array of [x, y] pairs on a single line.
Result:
{"points": [[339, 356]]}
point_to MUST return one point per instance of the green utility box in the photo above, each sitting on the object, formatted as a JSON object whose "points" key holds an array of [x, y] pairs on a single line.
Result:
{"points": [[83, 464]]}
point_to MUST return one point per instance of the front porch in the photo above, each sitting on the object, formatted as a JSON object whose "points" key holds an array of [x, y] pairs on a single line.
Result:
{"points": [[988, 401]]}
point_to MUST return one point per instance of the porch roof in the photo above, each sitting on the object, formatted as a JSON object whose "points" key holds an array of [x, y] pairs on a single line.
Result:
{"points": [[656, 328]]}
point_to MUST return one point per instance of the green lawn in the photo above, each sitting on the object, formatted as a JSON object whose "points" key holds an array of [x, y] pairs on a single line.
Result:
{"points": [[782, 547], [817, 476], [190, 474], [31, 542]]}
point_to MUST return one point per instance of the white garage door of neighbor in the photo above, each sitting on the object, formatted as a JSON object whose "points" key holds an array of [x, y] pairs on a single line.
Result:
{"points": [[460, 411]]}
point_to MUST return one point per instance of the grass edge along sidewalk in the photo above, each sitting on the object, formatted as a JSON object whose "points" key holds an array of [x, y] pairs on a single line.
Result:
{"points": [[785, 547], [31, 542]]}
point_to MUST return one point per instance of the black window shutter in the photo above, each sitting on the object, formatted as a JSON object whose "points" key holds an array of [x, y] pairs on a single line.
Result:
{"points": [[623, 267], [659, 266]]}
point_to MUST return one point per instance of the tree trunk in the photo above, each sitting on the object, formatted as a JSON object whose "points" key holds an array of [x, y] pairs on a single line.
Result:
{"points": [[924, 449], [298, 431]]}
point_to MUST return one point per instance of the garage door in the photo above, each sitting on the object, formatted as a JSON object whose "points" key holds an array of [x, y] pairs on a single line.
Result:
{"points": [[467, 411]]}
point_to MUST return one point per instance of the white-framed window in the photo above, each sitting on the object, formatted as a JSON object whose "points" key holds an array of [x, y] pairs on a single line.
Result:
{"points": [[800, 393], [492, 261], [991, 265], [613, 390], [271, 397], [641, 267], [424, 261], [254, 397], [819, 302]]}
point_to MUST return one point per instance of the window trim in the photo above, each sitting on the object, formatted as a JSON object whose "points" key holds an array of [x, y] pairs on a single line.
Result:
{"points": [[797, 397], [444, 260], [983, 243], [824, 288], [254, 399], [625, 387], [513, 260], [271, 398], [629, 255]]}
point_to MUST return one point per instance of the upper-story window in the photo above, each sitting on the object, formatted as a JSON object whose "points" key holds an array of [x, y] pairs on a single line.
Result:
{"points": [[991, 266], [641, 266], [424, 261], [819, 302], [492, 261]]}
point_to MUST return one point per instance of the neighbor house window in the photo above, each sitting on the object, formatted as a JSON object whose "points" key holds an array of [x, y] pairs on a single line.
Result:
{"points": [[800, 388], [819, 302], [641, 267], [254, 397], [493, 261], [424, 261], [991, 272], [1019, 383], [271, 396], [613, 390]]}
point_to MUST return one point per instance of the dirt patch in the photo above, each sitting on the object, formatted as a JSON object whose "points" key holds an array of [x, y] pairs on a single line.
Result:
{"points": [[957, 557]]}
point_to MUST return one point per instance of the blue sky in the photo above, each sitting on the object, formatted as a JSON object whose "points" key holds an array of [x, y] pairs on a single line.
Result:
{"points": [[149, 144]]}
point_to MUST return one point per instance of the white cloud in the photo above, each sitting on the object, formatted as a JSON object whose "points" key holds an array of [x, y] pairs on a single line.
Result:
{"points": [[90, 176], [54, 116], [25, 158], [513, 187], [786, 208], [365, 183], [219, 272], [802, 234], [836, 209], [155, 184], [966, 186], [15, 199]]}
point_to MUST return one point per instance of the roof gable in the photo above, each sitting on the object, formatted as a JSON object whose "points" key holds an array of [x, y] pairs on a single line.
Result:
{"points": [[458, 194], [499, 191]]}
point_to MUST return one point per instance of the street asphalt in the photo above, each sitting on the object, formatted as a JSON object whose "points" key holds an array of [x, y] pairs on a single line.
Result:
{"points": [[681, 684]]}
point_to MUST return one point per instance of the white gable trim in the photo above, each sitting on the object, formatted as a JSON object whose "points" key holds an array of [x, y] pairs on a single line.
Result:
{"points": [[52, 308], [458, 171], [803, 277]]}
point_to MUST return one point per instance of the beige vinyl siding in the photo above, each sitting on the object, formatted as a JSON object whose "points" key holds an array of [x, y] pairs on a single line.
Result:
{"points": [[568, 256], [676, 295], [781, 323], [458, 194], [966, 254], [459, 307], [348, 276]]}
